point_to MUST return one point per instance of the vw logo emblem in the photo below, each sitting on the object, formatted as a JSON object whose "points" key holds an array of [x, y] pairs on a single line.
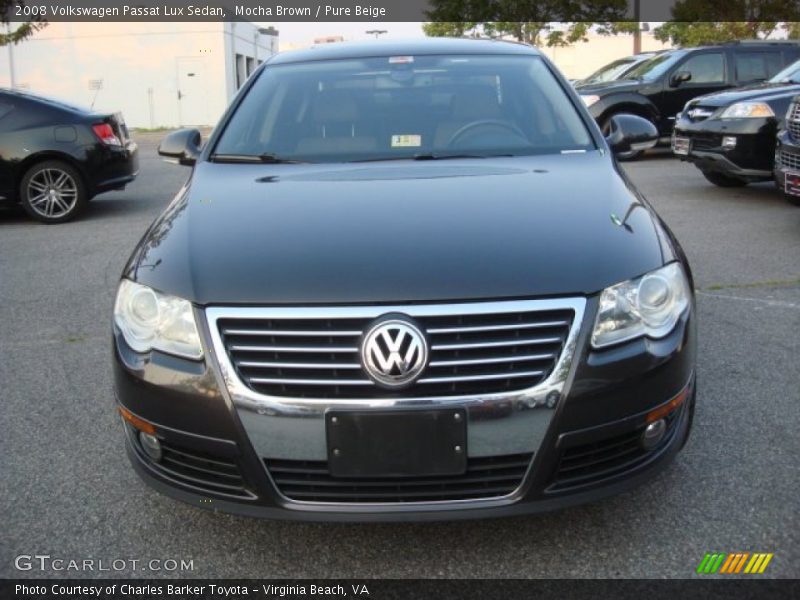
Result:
{"points": [[394, 352]]}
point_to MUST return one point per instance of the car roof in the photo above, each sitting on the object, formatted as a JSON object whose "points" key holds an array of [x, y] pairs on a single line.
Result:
{"points": [[414, 47], [52, 102]]}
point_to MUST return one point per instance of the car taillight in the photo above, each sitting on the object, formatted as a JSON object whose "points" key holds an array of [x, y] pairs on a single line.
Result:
{"points": [[106, 134]]}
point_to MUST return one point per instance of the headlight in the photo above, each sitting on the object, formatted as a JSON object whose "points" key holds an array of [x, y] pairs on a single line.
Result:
{"points": [[150, 320], [747, 110], [649, 305], [589, 99]]}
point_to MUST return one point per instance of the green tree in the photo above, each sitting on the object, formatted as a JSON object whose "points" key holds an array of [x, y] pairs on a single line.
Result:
{"points": [[696, 22], [19, 31], [529, 21], [682, 33]]}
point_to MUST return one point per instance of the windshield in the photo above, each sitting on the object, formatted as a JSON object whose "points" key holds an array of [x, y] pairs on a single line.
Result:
{"points": [[404, 107], [790, 74], [611, 71], [653, 68]]}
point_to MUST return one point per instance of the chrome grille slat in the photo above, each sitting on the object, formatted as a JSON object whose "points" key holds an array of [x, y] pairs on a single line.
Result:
{"points": [[515, 342], [511, 326], [480, 377], [290, 365], [291, 333], [491, 361], [287, 381], [474, 348], [340, 349]]}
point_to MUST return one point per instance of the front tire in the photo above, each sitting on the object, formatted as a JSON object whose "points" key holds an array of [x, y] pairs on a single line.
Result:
{"points": [[53, 192], [723, 180]]}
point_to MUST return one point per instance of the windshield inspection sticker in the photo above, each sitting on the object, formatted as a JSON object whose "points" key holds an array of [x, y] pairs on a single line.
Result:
{"points": [[406, 141]]}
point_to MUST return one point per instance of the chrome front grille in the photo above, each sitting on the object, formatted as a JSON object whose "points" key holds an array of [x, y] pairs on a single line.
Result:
{"points": [[789, 160], [699, 113], [793, 120], [474, 348]]}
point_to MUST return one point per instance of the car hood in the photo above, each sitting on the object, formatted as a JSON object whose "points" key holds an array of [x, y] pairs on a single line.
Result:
{"points": [[400, 232], [610, 87], [763, 92]]}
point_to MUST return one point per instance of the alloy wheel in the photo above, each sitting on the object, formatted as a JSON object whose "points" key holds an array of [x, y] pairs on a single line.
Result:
{"points": [[52, 193]]}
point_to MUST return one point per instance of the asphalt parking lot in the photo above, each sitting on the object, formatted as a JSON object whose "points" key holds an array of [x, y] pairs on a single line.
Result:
{"points": [[66, 488]]}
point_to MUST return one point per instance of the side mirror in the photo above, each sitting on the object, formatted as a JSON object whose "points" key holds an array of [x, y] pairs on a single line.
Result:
{"points": [[181, 147], [680, 77], [629, 133]]}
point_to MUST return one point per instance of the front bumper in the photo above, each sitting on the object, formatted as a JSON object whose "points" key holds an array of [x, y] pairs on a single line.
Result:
{"points": [[750, 159], [787, 157], [587, 450]]}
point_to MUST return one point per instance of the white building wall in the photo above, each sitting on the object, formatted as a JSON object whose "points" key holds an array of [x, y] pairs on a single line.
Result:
{"points": [[581, 59], [143, 66]]}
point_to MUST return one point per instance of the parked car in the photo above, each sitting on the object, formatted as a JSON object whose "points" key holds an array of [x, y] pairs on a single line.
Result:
{"points": [[787, 154], [405, 281], [615, 69], [659, 88], [730, 136], [55, 157]]}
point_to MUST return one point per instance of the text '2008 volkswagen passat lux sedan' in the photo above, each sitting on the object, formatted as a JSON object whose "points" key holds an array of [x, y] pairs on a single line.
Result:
{"points": [[405, 281]]}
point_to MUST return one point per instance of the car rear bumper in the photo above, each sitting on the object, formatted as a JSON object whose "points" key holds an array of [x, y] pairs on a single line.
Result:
{"points": [[590, 448], [751, 157], [115, 167]]}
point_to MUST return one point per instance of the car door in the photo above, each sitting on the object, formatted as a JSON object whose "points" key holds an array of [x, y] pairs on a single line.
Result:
{"points": [[708, 72], [752, 66], [7, 154]]}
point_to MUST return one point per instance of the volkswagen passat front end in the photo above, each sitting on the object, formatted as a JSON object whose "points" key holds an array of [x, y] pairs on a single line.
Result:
{"points": [[404, 281]]}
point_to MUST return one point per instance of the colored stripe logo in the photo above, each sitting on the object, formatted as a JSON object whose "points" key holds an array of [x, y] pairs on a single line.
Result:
{"points": [[736, 562]]}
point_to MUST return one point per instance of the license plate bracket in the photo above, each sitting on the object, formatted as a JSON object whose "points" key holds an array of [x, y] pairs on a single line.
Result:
{"points": [[791, 183], [681, 145], [397, 443]]}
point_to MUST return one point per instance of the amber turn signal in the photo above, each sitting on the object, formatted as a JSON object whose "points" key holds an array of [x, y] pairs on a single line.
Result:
{"points": [[138, 423], [663, 411]]}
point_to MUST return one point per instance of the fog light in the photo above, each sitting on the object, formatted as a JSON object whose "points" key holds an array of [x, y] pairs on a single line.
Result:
{"points": [[729, 142], [151, 445], [653, 434]]}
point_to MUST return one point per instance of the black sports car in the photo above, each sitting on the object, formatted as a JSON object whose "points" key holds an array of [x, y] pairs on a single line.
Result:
{"points": [[730, 136], [405, 281], [55, 157]]}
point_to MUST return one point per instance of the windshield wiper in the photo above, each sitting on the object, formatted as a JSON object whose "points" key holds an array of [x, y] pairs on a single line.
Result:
{"points": [[266, 158], [429, 156], [451, 156]]}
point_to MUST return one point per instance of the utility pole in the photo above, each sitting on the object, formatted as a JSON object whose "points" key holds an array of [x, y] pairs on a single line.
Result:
{"points": [[376, 32], [11, 58], [637, 34]]}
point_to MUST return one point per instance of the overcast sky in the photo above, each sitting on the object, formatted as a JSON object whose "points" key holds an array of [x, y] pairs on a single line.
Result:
{"points": [[304, 33]]}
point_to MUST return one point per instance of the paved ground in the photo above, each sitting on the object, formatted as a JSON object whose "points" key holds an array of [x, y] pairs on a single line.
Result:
{"points": [[66, 488]]}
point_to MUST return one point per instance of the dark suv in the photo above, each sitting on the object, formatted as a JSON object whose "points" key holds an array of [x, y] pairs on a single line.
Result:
{"points": [[787, 154], [659, 88], [405, 281], [730, 136]]}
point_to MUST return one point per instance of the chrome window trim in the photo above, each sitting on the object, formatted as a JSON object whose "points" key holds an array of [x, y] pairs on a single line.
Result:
{"points": [[295, 418]]}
